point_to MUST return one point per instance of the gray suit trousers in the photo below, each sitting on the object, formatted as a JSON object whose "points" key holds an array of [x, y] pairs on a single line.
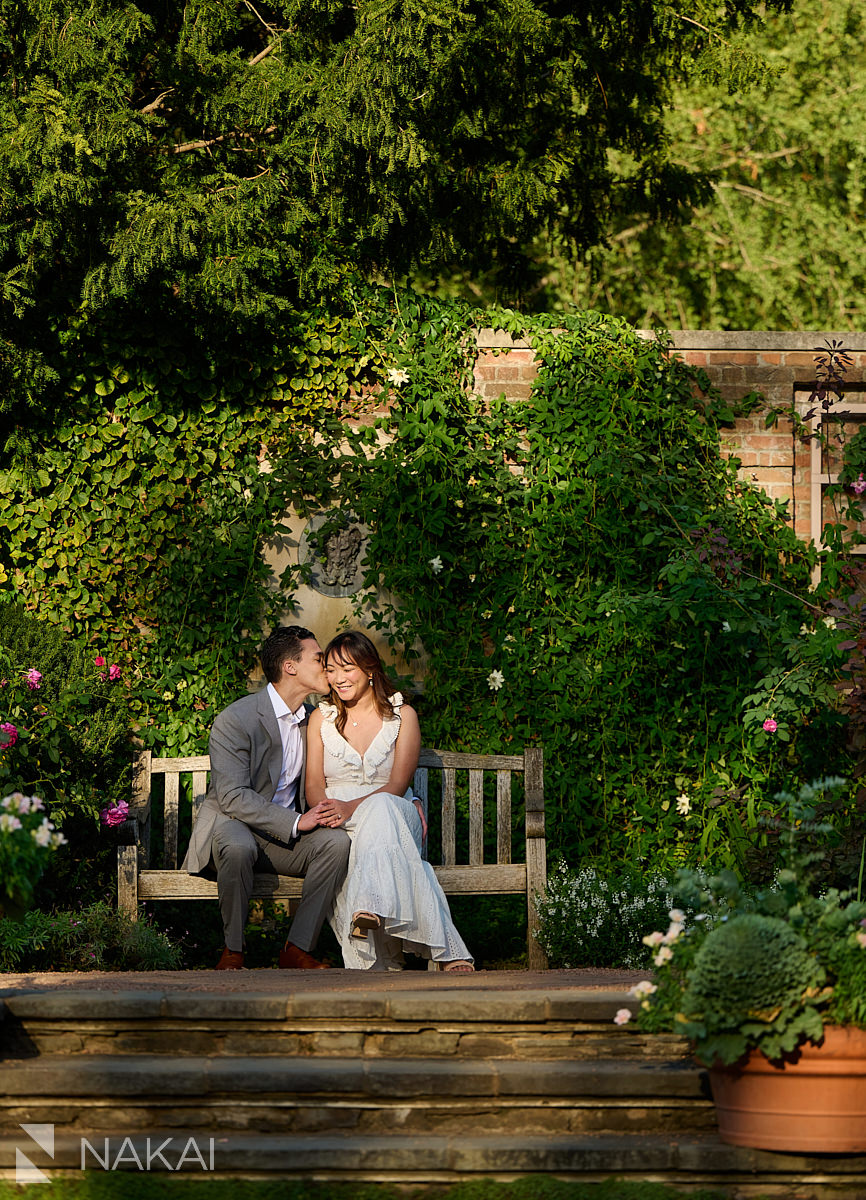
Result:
{"points": [[320, 856]]}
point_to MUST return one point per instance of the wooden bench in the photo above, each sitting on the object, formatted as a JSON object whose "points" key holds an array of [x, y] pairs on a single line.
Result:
{"points": [[137, 880]]}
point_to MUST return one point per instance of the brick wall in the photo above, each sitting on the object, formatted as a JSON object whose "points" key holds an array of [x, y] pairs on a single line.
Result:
{"points": [[779, 365]]}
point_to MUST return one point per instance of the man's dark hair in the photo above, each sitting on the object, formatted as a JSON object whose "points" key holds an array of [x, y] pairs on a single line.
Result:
{"points": [[284, 642]]}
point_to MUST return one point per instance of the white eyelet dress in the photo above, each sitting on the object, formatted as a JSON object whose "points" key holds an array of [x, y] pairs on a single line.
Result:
{"points": [[386, 874]]}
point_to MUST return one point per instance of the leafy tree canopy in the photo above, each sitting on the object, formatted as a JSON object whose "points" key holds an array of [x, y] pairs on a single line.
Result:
{"points": [[223, 154], [779, 244]]}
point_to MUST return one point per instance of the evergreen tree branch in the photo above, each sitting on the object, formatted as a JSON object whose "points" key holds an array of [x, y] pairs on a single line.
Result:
{"points": [[270, 28], [157, 103], [185, 147], [269, 49]]}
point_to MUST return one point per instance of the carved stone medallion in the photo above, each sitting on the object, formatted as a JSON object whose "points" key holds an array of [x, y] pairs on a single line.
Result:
{"points": [[333, 544]]}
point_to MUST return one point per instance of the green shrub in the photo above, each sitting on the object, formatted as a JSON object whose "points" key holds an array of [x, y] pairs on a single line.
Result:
{"points": [[590, 919], [68, 707], [749, 967], [98, 938]]}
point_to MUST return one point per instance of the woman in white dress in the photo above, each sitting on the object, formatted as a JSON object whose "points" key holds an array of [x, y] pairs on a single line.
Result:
{"points": [[362, 751]]}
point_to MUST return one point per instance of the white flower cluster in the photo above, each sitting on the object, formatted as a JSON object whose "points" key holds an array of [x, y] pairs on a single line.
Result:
{"points": [[16, 806], [587, 920]]}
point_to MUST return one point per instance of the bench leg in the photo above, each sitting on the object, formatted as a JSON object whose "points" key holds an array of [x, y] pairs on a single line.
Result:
{"points": [[536, 882], [127, 881]]}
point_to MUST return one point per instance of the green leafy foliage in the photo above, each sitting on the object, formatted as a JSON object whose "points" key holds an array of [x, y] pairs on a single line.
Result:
{"points": [[777, 244], [586, 571], [219, 158], [95, 938]]}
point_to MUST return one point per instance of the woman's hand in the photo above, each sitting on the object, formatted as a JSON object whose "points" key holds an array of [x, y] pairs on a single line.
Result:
{"points": [[334, 813], [420, 808]]}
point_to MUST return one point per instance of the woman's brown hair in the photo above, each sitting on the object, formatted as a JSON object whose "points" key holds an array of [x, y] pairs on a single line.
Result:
{"points": [[355, 647]]}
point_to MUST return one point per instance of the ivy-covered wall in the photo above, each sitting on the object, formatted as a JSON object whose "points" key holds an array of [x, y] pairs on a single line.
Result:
{"points": [[576, 560]]}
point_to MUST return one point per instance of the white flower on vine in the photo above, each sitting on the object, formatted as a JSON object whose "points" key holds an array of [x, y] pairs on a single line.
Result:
{"points": [[397, 376], [495, 680], [684, 805], [623, 1016], [665, 954], [436, 565], [641, 990]]}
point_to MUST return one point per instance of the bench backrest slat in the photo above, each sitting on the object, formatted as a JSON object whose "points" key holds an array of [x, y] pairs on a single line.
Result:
{"points": [[199, 790], [172, 791], [476, 817], [503, 816], [449, 817]]}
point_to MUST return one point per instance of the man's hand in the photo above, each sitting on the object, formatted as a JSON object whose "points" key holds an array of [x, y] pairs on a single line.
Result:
{"points": [[313, 817]]}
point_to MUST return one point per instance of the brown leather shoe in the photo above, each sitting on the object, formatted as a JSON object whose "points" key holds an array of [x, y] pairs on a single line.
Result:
{"points": [[293, 957], [230, 960]]}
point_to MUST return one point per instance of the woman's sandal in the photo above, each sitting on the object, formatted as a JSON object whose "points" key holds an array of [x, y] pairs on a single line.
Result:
{"points": [[362, 921], [459, 967]]}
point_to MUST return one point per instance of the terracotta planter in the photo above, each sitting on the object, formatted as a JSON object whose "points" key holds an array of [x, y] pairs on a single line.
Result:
{"points": [[812, 1101]]}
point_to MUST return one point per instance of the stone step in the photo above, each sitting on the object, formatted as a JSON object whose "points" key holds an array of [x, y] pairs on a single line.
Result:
{"points": [[531, 1024], [688, 1161], [379, 1094]]}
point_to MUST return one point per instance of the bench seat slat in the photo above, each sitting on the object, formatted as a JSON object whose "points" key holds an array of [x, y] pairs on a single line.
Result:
{"points": [[462, 881]]}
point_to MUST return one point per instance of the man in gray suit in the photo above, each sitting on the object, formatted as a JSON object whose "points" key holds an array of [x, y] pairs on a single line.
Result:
{"points": [[253, 817]]}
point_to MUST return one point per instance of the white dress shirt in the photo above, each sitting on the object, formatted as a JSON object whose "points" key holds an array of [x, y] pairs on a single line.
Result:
{"points": [[293, 753]]}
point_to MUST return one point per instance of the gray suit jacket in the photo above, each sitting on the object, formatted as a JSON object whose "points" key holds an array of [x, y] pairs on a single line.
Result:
{"points": [[246, 757]]}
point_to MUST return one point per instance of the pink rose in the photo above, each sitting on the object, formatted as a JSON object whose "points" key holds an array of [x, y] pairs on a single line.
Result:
{"points": [[11, 734], [99, 661], [769, 725], [859, 485], [114, 671], [115, 814], [33, 678]]}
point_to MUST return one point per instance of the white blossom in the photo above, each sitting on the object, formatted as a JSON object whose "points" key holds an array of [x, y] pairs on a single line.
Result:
{"points": [[42, 835], [623, 1016], [641, 990], [684, 804], [397, 376], [495, 680], [436, 565]]}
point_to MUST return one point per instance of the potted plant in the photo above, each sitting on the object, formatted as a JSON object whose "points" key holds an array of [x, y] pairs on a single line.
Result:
{"points": [[769, 986]]}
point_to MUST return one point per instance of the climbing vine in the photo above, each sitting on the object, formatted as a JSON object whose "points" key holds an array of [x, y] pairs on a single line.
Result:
{"points": [[582, 570]]}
